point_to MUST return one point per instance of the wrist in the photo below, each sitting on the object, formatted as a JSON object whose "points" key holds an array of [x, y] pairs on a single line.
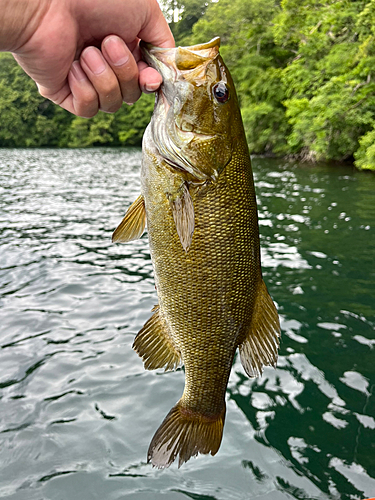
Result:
{"points": [[19, 21]]}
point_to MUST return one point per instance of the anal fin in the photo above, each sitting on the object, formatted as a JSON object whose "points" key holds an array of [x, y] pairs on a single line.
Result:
{"points": [[133, 224], [261, 344], [155, 346]]}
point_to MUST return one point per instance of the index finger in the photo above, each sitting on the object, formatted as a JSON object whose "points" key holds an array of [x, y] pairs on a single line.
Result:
{"points": [[124, 66]]}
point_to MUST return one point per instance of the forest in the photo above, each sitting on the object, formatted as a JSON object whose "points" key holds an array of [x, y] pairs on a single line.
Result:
{"points": [[304, 72]]}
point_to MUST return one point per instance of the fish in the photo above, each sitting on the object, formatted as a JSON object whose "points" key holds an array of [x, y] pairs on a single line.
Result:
{"points": [[198, 202]]}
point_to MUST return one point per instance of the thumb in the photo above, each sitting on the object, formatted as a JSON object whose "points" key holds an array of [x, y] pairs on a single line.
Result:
{"points": [[155, 29]]}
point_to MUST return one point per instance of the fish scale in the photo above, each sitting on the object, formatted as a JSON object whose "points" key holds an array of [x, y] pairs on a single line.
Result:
{"points": [[198, 199]]}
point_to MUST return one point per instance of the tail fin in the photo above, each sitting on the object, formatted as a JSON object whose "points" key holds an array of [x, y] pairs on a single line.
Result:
{"points": [[185, 433]]}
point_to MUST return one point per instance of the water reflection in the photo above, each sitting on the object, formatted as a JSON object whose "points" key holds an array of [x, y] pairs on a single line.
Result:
{"points": [[313, 404], [77, 410]]}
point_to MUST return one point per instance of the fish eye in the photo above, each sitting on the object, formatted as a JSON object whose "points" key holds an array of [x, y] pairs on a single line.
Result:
{"points": [[221, 92]]}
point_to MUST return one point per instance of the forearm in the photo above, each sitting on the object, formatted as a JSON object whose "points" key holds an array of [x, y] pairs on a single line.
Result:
{"points": [[19, 21]]}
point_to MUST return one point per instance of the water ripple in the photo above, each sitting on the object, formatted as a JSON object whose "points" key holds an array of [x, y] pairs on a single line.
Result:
{"points": [[77, 409]]}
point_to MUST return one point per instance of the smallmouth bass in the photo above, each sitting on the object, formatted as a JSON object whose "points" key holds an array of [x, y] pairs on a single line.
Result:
{"points": [[198, 199]]}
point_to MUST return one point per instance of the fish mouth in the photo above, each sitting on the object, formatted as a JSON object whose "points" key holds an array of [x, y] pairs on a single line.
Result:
{"points": [[179, 66], [182, 69], [174, 63], [214, 42], [182, 58]]}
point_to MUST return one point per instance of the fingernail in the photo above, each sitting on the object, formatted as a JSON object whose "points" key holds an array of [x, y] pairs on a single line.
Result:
{"points": [[116, 50], [94, 60], [151, 87], [77, 71]]}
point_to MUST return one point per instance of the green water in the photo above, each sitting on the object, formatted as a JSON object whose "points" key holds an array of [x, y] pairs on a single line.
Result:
{"points": [[77, 409]]}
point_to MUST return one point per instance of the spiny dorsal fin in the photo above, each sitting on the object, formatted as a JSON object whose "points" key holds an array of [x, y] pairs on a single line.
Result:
{"points": [[260, 346], [185, 433], [183, 216], [133, 224], [155, 346]]}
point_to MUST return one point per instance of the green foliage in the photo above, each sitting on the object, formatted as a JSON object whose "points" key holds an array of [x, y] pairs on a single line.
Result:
{"points": [[190, 11], [304, 72], [255, 61], [125, 128], [365, 155], [29, 120], [132, 121], [95, 132]]}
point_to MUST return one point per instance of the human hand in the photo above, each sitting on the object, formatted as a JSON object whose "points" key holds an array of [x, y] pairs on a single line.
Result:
{"points": [[84, 54]]}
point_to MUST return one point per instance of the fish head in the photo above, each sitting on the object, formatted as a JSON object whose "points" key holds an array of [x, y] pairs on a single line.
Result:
{"points": [[196, 109]]}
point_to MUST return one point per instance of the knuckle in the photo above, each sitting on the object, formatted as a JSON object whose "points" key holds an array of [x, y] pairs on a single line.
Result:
{"points": [[130, 76], [132, 95], [111, 107], [111, 100], [87, 105], [112, 91], [55, 97], [86, 97], [86, 110], [44, 93], [88, 114], [89, 97]]}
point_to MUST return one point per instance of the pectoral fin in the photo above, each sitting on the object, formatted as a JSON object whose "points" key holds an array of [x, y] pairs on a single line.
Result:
{"points": [[155, 346], [260, 346], [133, 224], [183, 216]]}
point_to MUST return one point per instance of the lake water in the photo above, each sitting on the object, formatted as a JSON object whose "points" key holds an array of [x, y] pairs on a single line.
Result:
{"points": [[77, 409]]}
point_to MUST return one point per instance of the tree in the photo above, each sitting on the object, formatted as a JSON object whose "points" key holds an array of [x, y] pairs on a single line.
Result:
{"points": [[304, 73], [27, 118], [182, 16]]}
